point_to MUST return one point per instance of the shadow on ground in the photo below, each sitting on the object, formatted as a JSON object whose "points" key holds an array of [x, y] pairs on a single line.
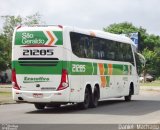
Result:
{"points": [[109, 107]]}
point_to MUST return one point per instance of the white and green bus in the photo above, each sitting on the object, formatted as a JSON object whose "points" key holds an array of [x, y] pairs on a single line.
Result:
{"points": [[56, 65]]}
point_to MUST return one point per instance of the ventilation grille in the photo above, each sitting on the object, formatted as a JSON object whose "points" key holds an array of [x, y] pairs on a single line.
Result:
{"points": [[38, 61]]}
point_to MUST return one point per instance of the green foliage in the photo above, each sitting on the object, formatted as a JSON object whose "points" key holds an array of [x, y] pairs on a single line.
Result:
{"points": [[32, 19], [121, 28], [4, 57], [10, 22], [149, 44], [151, 58]]}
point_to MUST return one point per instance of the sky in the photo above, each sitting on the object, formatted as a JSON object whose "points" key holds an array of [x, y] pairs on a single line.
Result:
{"points": [[89, 14]]}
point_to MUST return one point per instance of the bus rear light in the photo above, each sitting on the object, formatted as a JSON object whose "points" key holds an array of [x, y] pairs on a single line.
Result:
{"points": [[64, 80], [14, 80]]}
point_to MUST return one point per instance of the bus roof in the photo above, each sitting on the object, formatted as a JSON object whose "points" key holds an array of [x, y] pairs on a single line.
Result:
{"points": [[39, 28], [96, 33], [106, 35]]}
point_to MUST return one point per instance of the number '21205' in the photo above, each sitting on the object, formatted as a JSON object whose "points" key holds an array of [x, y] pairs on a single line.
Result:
{"points": [[36, 52]]}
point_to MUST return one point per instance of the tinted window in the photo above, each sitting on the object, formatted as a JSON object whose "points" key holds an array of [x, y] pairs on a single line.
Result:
{"points": [[85, 46]]}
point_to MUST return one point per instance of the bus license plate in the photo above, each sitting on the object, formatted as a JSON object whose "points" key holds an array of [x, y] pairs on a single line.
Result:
{"points": [[37, 95]]}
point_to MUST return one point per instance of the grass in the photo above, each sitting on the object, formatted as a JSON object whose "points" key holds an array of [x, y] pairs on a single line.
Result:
{"points": [[5, 93], [6, 97], [5, 85], [155, 83]]}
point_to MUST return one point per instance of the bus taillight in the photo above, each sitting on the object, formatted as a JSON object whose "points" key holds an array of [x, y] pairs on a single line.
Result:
{"points": [[14, 80], [64, 80]]}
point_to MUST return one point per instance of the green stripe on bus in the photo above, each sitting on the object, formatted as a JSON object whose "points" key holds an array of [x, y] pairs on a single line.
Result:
{"points": [[106, 69], [59, 36], [117, 69], [108, 81], [95, 68], [37, 69], [73, 67]]}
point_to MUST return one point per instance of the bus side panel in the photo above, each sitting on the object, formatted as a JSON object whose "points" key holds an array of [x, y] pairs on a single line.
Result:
{"points": [[75, 85], [81, 75], [135, 81]]}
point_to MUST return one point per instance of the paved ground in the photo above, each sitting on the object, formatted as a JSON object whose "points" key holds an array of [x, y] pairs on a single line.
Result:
{"points": [[145, 108]]}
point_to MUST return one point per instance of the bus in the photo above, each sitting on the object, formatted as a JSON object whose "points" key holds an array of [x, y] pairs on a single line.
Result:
{"points": [[57, 65]]}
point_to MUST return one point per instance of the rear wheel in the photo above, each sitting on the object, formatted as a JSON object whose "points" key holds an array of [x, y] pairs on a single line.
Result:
{"points": [[129, 97], [39, 106], [87, 98], [95, 97]]}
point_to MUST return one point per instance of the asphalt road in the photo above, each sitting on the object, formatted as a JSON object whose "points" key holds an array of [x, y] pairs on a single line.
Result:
{"points": [[144, 108]]}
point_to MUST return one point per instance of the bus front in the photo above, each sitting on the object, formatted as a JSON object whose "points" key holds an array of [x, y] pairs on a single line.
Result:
{"points": [[38, 72]]}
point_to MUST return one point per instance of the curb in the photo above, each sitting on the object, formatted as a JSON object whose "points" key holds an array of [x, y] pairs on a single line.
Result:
{"points": [[155, 90], [150, 88], [8, 103]]}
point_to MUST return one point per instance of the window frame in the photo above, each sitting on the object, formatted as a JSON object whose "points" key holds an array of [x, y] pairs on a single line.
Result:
{"points": [[115, 49]]}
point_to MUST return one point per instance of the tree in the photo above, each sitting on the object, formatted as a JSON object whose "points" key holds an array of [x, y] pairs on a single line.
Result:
{"points": [[6, 39], [149, 44], [32, 19], [151, 58], [127, 28], [121, 28], [4, 57], [10, 22]]}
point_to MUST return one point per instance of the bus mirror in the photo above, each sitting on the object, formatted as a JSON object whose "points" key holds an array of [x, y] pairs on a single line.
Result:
{"points": [[141, 59]]}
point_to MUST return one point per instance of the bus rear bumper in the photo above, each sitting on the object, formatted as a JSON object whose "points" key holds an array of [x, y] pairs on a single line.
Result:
{"points": [[40, 96]]}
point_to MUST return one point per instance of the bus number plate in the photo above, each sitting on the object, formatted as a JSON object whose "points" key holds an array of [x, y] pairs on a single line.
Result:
{"points": [[37, 95]]}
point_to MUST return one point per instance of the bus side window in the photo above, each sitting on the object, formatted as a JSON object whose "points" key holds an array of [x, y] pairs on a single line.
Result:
{"points": [[111, 55], [128, 54], [75, 43], [140, 62], [89, 47], [120, 50], [96, 48], [82, 47], [101, 48]]}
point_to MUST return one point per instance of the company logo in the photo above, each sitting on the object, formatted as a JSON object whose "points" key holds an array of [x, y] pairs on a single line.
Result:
{"points": [[29, 38], [46, 37], [35, 79]]}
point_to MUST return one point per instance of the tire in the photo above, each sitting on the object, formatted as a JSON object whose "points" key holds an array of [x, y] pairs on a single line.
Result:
{"points": [[39, 106], [129, 97], [53, 105], [57, 106], [87, 98], [95, 97]]}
